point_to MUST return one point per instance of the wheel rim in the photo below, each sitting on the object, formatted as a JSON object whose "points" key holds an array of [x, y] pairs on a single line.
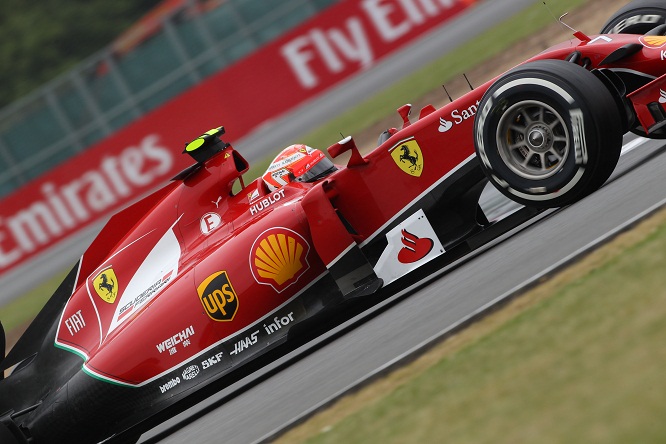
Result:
{"points": [[533, 140]]}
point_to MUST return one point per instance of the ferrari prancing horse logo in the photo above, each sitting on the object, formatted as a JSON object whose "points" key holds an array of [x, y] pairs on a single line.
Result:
{"points": [[106, 285], [408, 156]]}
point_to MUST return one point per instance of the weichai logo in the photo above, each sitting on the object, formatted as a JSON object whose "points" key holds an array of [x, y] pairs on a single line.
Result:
{"points": [[279, 257], [218, 297]]}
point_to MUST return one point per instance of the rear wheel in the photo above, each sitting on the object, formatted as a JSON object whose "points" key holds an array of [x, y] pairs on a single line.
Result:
{"points": [[548, 133], [638, 17]]}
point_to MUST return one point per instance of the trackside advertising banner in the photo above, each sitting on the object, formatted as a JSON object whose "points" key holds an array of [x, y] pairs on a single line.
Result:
{"points": [[342, 41]]}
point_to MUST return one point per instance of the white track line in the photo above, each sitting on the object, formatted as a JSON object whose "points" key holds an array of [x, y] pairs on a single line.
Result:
{"points": [[633, 144], [478, 312]]}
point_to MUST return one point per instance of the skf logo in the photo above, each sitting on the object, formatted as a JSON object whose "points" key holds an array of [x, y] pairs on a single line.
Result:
{"points": [[278, 258], [218, 297], [106, 285], [407, 155], [653, 41]]}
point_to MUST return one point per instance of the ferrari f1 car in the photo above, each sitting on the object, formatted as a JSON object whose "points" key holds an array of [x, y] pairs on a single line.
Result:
{"points": [[201, 279]]}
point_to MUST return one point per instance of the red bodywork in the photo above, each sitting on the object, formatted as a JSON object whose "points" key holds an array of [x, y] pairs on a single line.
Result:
{"points": [[190, 282], [162, 249]]}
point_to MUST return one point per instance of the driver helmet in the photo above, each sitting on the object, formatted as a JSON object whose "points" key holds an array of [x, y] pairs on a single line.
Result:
{"points": [[297, 163]]}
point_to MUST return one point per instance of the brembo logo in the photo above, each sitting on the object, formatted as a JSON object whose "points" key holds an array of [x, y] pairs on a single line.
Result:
{"points": [[218, 297], [169, 385], [63, 208]]}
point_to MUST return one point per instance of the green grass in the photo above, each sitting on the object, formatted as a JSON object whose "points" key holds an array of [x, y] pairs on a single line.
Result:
{"points": [[23, 309], [489, 43], [583, 365], [412, 87]]}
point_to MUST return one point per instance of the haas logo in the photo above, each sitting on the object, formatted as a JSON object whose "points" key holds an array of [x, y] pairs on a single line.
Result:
{"points": [[408, 156], [105, 285], [414, 248]]}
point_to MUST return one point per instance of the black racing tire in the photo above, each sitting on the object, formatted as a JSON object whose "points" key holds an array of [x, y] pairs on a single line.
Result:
{"points": [[637, 17], [548, 133]]}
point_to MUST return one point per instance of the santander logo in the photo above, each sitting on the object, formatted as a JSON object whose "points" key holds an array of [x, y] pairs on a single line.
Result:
{"points": [[414, 248], [407, 251], [444, 125]]}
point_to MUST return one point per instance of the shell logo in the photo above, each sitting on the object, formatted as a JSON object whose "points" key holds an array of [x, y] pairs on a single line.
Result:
{"points": [[279, 257], [653, 41]]}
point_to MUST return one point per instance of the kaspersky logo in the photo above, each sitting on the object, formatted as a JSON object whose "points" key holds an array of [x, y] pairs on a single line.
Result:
{"points": [[218, 297], [278, 258], [106, 285], [408, 156]]}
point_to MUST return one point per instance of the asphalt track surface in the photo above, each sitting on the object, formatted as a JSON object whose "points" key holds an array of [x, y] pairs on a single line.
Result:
{"points": [[275, 134], [402, 325]]}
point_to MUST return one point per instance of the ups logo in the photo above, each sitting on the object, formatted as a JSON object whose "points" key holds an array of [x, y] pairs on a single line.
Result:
{"points": [[218, 297]]}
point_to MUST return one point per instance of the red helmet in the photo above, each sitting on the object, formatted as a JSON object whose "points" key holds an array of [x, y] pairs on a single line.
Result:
{"points": [[297, 163]]}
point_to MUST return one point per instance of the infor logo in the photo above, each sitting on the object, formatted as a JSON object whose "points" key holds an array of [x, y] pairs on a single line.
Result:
{"points": [[218, 297]]}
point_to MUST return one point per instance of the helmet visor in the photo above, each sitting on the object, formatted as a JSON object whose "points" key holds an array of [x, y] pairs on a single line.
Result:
{"points": [[320, 170]]}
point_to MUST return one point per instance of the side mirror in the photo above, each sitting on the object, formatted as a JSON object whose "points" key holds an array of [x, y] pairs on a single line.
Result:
{"points": [[347, 144], [404, 111]]}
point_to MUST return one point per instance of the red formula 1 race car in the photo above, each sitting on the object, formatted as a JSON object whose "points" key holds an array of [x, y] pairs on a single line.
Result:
{"points": [[197, 283]]}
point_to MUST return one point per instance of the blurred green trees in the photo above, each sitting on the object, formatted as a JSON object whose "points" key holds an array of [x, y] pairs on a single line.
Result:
{"points": [[41, 39]]}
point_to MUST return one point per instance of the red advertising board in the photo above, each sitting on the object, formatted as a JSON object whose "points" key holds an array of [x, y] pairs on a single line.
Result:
{"points": [[339, 43]]}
